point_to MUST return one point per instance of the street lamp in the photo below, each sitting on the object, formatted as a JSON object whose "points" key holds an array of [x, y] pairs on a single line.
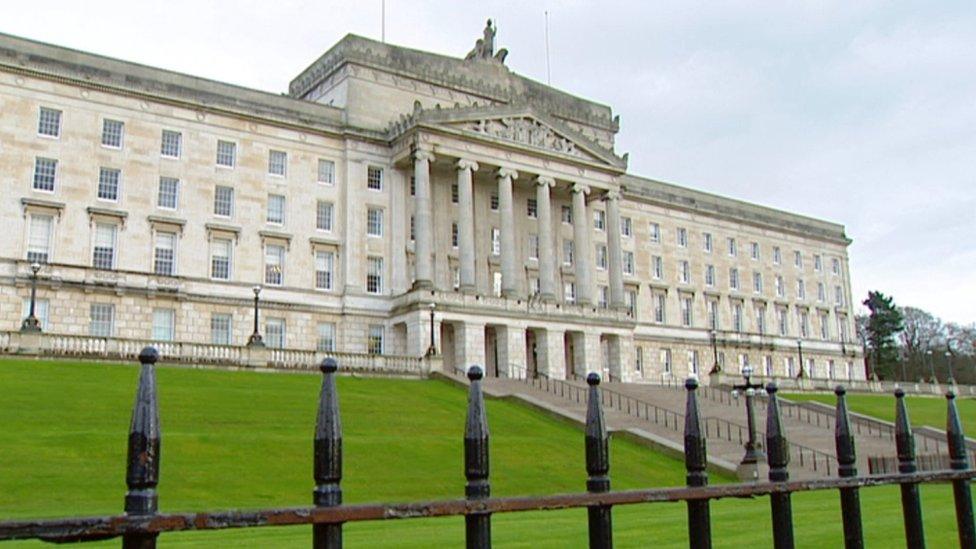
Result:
{"points": [[715, 367], [948, 355], [748, 467], [31, 323], [432, 350], [256, 340], [799, 351], [931, 366]]}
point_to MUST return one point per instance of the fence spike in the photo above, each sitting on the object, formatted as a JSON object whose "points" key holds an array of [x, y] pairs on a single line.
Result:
{"points": [[328, 457], [778, 456], [959, 461], [597, 465], [142, 466], [696, 462], [911, 503], [850, 498], [477, 525]]}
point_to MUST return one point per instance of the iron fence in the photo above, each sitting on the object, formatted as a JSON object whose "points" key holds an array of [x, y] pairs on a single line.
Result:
{"points": [[141, 523]]}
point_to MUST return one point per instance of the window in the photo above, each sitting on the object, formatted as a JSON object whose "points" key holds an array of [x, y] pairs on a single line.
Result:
{"points": [[49, 122], [657, 267], [626, 227], [276, 209], [274, 263], [713, 318], [42, 308], [455, 193], [413, 185], [164, 254], [639, 359], [821, 292], [824, 327], [39, 238], [803, 319], [496, 241], [654, 230], [830, 369], [790, 367], [798, 259], [603, 298], [374, 178], [220, 329], [631, 301], [220, 259], [761, 319], [768, 366], [274, 333], [456, 235], [734, 278], [163, 324], [532, 208], [777, 255], [686, 311], [374, 342], [374, 222], [568, 250], [628, 263], [566, 214], [754, 247], [757, 282], [103, 256], [171, 144], [226, 154], [599, 220], [413, 229], [224, 201], [838, 296], [374, 275], [817, 262], [780, 287], [835, 266], [569, 292], [733, 250], [707, 242], [456, 281], [108, 183], [684, 272], [277, 163], [112, 133], [496, 284], [494, 201], [101, 317], [693, 362], [533, 246], [783, 321], [801, 290], [709, 275], [323, 216], [324, 268], [326, 172], [660, 308], [45, 170], [666, 360], [682, 236], [168, 196], [327, 337], [737, 316], [601, 257]]}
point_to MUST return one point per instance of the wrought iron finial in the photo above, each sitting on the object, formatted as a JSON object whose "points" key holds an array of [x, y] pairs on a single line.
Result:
{"points": [[142, 465], [843, 437], [477, 526], [327, 454], [696, 462], [597, 444]]}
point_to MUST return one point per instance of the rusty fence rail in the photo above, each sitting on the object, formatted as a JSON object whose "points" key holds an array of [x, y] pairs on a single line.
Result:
{"points": [[141, 523]]}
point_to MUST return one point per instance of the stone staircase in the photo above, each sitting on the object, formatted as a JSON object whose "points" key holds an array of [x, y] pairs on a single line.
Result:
{"points": [[654, 415]]}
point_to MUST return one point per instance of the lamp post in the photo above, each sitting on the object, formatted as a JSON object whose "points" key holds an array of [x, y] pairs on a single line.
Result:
{"points": [[748, 467], [432, 350], [948, 355], [31, 323], [256, 340], [931, 366], [715, 367], [799, 351]]}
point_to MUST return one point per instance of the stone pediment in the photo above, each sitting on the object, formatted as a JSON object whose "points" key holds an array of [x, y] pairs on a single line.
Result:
{"points": [[519, 126]]}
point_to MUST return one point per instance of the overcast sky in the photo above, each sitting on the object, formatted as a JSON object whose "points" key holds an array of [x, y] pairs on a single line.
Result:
{"points": [[863, 113]]}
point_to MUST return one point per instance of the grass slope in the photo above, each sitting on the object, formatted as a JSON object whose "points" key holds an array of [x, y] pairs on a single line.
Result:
{"points": [[922, 410], [244, 440]]}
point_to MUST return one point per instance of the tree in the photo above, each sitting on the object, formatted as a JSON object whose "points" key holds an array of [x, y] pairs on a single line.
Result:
{"points": [[923, 332], [884, 323]]}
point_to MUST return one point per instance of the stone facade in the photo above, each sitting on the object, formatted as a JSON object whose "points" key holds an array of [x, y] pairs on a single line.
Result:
{"points": [[389, 180]]}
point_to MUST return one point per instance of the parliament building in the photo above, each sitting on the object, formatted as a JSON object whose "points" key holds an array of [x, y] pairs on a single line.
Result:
{"points": [[393, 202]]}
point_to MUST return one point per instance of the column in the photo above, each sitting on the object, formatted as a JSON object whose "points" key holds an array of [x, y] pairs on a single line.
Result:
{"points": [[423, 223], [465, 169], [551, 353], [469, 345], [506, 205], [616, 254], [587, 354], [547, 257], [620, 358], [583, 261], [511, 350]]}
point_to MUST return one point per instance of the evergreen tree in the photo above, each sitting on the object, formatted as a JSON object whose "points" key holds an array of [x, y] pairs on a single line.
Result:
{"points": [[884, 323]]}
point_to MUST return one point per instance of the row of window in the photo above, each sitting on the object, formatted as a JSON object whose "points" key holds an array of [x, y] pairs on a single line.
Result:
{"points": [[666, 364]]}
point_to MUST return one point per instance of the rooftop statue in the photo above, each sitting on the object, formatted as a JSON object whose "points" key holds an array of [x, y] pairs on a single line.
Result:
{"points": [[484, 48]]}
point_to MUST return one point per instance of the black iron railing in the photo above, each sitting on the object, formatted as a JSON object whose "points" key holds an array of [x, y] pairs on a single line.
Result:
{"points": [[141, 523]]}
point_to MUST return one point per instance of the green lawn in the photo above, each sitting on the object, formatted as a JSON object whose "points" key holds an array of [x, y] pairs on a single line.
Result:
{"points": [[922, 410], [243, 439]]}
